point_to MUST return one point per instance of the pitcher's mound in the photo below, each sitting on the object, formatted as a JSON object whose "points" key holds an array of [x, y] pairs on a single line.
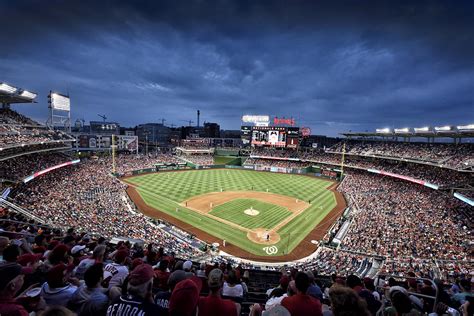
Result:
{"points": [[263, 236], [251, 212]]}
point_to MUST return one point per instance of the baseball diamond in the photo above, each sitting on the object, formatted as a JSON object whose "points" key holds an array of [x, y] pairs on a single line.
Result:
{"points": [[215, 205]]}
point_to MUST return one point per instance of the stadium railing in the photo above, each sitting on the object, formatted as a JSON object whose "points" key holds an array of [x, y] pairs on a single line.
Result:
{"points": [[6, 204]]}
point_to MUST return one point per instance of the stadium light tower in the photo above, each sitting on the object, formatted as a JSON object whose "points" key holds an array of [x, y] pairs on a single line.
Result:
{"points": [[28, 95], [446, 128], [422, 129], [6, 88], [383, 130], [469, 127]]}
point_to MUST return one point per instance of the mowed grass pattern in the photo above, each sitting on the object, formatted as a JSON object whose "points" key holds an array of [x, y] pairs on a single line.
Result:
{"points": [[165, 190], [180, 186], [268, 217]]}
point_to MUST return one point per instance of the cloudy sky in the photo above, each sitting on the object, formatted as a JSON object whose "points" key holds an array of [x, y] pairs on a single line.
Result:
{"points": [[353, 65]]}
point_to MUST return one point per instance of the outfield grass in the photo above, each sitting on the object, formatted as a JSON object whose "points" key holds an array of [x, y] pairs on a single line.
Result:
{"points": [[165, 190], [269, 215]]}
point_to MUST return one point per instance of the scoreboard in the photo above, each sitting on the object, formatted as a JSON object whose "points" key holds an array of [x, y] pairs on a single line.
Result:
{"points": [[272, 136]]}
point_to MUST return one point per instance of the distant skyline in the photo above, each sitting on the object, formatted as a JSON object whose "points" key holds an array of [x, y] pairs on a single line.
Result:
{"points": [[334, 66]]}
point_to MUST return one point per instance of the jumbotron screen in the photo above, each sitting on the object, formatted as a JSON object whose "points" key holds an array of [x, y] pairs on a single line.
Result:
{"points": [[275, 136]]}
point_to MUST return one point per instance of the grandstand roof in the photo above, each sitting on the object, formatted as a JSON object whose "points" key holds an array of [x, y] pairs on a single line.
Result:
{"points": [[431, 134], [7, 98]]}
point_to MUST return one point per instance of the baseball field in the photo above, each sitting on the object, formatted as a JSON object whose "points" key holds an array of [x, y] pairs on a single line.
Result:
{"points": [[262, 214]]}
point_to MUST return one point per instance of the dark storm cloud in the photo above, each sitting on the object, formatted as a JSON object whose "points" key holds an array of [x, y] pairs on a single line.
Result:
{"points": [[334, 67]]}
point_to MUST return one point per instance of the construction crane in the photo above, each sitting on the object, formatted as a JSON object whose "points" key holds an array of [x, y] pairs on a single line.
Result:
{"points": [[162, 121], [103, 117], [190, 122]]}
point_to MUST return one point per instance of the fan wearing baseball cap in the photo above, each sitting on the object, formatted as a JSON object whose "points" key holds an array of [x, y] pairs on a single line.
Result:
{"points": [[57, 290], [11, 281], [139, 297], [214, 304], [32, 261], [116, 272], [185, 297]]}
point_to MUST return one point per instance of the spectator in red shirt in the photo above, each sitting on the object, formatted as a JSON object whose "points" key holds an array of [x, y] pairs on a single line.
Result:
{"points": [[301, 303], [160, 280], [185, 298], [11, 281], [214, 304]]}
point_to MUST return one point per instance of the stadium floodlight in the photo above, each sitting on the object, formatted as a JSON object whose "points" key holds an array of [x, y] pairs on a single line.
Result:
{"points": [[60, 102], [7, 88], [383, 130], [256, 118], [443, 128], [469, 127], [422, 129], [28, 94], [402, 130]]}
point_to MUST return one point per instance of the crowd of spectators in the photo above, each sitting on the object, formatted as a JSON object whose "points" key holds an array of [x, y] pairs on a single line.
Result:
{"points": [[452, 155], [23, 166], [14, 136], [17, 151], [436, 175], [401, 220], [275, 152], [8, 116], [129, 162], [419, 232], [18, 130], [277, 163], [329, 262], [20, 167], [89, 197], [48, 271]]}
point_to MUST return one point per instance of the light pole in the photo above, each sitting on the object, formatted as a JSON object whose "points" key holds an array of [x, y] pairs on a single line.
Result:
{"points": [[146, 144], [146, 132]]}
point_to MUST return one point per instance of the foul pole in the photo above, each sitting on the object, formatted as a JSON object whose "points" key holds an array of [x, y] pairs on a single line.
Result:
{"points": [[113, 153], [343, 156]]}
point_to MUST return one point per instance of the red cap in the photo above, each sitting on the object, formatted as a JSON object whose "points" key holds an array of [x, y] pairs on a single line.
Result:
{"points": [[56, 274], [184, 299], [197, 281], [29, 258], [141, 274], [60, 250], [39, 249], [136, 262], [367, 281], [121, 255]]}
